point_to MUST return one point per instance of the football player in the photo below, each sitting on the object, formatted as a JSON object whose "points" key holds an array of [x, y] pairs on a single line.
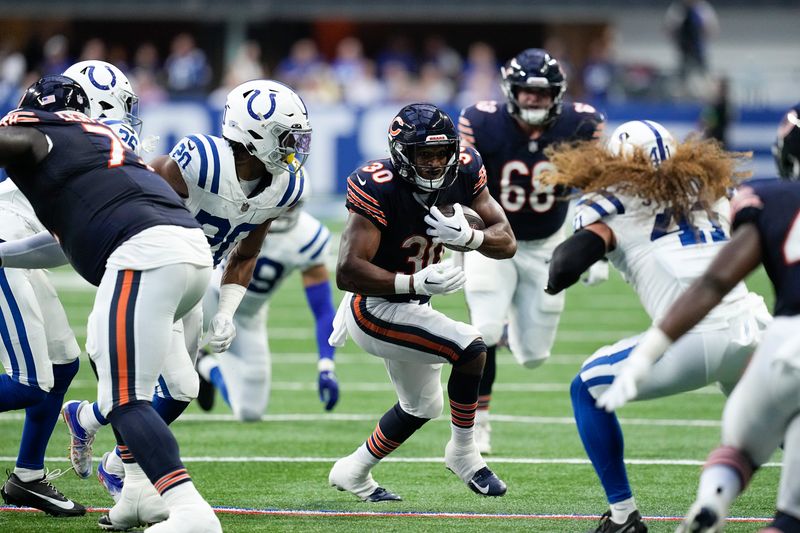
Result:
{"points": [[659, 210], [127, 232], [763, 409], [512, 138], [234, 185], [297, 241], [37, 354], [389, 259]]}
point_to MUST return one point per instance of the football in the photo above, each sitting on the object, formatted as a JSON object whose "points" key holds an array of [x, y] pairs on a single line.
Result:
{"points": [[474, 219]]}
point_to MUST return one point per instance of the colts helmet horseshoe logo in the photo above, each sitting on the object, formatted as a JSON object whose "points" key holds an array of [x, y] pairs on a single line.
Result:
{"points": [[269, 112], [102, 87]]}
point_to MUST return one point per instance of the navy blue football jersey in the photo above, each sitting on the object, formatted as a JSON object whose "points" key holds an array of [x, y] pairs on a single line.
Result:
{"points": [[377, 192], [514, 162], [91, 192], [774, 207]]}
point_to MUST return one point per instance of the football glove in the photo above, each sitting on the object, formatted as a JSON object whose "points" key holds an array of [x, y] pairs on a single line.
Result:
{"points": [[443, 278], [327, 384], [221, 332], [596, 274], [454, 230]]}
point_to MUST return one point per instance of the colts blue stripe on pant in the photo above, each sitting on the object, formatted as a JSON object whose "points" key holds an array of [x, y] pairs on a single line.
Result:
{"points": [[22, 333]]}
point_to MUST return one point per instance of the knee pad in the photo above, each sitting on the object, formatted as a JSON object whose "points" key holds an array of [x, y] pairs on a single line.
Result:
{"points": [[471, 352], [430, 409], [533, 360]]}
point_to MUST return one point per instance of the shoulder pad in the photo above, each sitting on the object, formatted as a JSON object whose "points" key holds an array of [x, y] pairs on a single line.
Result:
{"points": [[472, 118], [199, 161]]}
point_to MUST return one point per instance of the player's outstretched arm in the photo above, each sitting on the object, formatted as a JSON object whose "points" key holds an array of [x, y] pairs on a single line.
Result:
{"points": [[37, 251], [168, 169], [498, 238], [572, 257], [22, 147]]}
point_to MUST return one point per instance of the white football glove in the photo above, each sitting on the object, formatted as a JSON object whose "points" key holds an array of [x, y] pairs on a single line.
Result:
{"points": [[442, 278], [596, 274], [221, 332], [453, 230], [150, 142]]}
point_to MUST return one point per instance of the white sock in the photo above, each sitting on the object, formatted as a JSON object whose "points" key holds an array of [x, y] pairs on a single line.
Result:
{"points": [[114, 464], [481, 416], [719, 486], [205, 365], [462, 437], [183, 494], [621, 510], [363, 456], [27, 475], [87, 419]]}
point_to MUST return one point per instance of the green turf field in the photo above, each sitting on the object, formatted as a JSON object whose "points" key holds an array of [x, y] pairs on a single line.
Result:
{"points": [[280, 466]]}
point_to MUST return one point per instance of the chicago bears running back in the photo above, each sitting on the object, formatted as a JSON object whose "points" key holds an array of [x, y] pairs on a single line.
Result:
{"points": [[512, 138], [761, 413], [297, 241], [636, 211], [389, 259], [123, 229]]}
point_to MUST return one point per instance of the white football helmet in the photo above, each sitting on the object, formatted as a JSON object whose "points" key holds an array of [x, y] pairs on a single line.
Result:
{"points": [[109, 91], [271, 121], [656, 141]]}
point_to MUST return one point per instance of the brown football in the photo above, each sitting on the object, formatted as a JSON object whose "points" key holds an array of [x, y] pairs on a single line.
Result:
{"points": [[474, 219]]}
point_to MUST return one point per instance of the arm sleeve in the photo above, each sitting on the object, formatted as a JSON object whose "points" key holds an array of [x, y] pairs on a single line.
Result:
{"points": [[37, 251], [320, 300], [572, 257]]}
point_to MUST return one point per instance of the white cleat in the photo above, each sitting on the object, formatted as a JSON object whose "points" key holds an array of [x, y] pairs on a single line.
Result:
{"points": [[189, 519], [139, 505], [347, 474]]}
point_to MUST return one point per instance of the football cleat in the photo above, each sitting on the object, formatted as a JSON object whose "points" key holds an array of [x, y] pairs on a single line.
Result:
{"points": [[138, 505], [111, 482], [348, 475], [205, 396], [80, 446], [701, 519], [468, 465], [633, 524], [195, 518], [40, 494]]}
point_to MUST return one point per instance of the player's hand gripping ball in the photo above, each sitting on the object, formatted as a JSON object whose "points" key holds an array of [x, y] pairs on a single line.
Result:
{"points": [[449, 226]]}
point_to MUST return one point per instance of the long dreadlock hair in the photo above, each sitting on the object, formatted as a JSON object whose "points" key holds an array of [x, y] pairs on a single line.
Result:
{"points": [[700, 170]]}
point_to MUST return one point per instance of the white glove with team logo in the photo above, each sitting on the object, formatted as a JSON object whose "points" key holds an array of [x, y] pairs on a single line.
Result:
{"points": [[441, 278], [221, 332], [596, 274], [453, 230]]}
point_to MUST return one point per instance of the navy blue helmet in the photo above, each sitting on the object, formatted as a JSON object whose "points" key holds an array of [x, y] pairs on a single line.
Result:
{"points": [[419, 129], [533, 68], [787, 145], [56, 93]]}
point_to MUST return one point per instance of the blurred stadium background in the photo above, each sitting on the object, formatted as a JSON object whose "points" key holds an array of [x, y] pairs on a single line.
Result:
{"points": [[356, 62]]}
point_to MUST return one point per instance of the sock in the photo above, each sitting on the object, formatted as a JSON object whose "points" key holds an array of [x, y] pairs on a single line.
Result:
{"points": [[392, 430], [40, 419], [363, 456], [91, 419], [114, 464], [143, 434], [462, 389], [719, 485], [15, 395], [218, 381], [183, 494], [489, 374], [206, 364], [622, 509], [28, 474], [168, 408], [602, 439]]}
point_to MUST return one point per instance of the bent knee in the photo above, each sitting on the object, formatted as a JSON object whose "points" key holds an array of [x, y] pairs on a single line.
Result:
{"points": [[491, 332], [429, 409]]}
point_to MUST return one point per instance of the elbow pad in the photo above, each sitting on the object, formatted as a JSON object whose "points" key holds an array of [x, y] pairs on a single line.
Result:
{"points": [[572, 257]]}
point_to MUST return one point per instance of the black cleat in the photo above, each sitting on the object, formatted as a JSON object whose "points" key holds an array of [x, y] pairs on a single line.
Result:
{"points": [[486, 483], [703, 520], [382, 495], [633, 524], [39, 494]]}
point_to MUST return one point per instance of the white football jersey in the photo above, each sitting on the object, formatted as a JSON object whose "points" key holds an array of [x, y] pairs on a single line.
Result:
{"points": [[216, 198], [658, 256], [126, 134], [21, 220], [305, 245]]}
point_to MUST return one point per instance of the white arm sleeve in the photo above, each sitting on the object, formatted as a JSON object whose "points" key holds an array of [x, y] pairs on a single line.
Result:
{"points": [[37, 251]]}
